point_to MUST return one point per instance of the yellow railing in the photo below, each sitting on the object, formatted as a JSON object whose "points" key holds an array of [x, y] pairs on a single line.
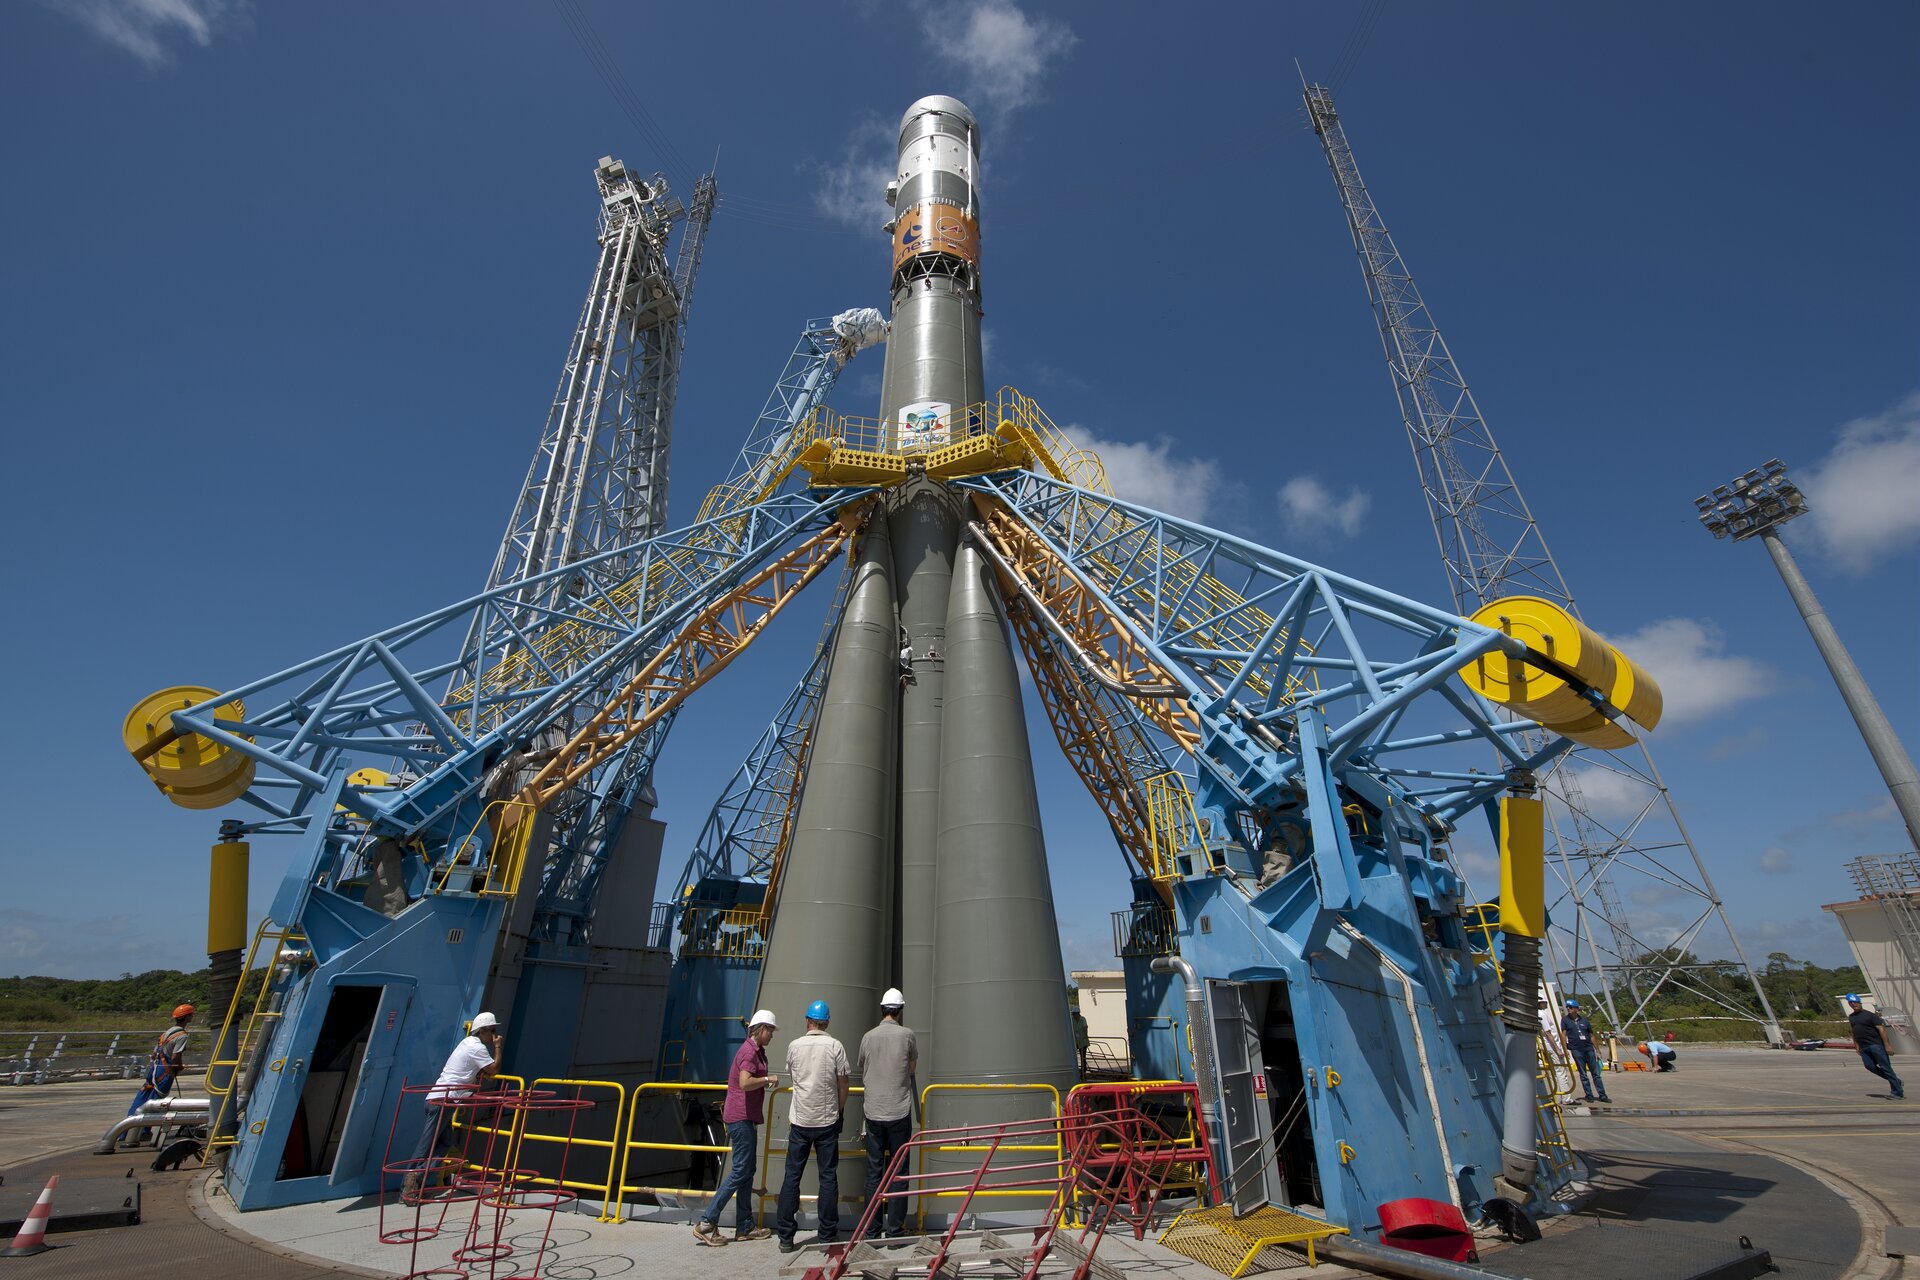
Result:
{"points": [[507, 856], [223, 1074], [1172, 823], [761, 1193], [724, 933], [1052, 1096], [630, 1144]]}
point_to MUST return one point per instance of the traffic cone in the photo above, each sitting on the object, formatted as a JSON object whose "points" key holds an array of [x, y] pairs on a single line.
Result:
{"points": [[32, 1237]]}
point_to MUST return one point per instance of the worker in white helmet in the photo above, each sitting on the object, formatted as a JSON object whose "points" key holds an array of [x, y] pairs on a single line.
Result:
{"points": [[745, 1110], [472, 1063], [889, 1058]]}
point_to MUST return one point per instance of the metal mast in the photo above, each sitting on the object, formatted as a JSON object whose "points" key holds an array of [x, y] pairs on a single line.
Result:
{"points": [[1492, 546], [598, 481]]}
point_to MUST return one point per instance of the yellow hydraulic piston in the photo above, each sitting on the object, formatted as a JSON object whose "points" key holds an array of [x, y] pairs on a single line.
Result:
{"points": [[1563, 659], [192, 771], [1523, 867], [227, 897]]}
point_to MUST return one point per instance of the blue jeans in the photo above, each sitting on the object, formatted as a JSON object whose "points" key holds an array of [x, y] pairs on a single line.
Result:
{"points": [[884, 1137], [1874, 1058], [802, 1140], [739, 1180], [1586, 1066]]}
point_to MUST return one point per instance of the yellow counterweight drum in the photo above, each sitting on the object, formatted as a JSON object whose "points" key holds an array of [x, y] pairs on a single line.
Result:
{"points": [[1563, 657], [192, 771], [1546, 629]]}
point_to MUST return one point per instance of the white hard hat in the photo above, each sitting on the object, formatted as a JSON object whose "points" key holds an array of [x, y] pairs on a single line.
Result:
{"points": [[484, 1021], [762, 1018], [892, 999]]}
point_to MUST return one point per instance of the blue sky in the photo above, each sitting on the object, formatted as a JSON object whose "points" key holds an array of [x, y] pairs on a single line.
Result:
{"points": [[286, 289]]}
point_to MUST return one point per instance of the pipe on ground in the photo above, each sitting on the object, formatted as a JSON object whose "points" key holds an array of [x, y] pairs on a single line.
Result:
{"points": [[1381, 1260]]}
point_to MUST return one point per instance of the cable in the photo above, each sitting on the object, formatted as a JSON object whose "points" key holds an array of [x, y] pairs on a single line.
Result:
{"points": [[1356, 43]]}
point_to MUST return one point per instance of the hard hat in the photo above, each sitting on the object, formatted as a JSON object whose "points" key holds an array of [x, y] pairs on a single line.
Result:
{"points": [[182, 1011], [1573, 1004], [1850, 998], [892, 999], [817, 1011], [762, 1018], [484, 1021]]}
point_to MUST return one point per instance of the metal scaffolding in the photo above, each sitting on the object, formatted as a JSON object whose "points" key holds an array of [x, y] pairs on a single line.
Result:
{"points": [[1635, 846]]}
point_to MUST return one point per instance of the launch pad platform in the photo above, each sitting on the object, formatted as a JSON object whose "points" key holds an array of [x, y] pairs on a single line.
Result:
{"points": [[1790, 1150]]}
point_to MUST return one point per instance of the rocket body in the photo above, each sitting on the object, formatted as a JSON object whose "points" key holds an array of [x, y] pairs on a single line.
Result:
{"points": [[917, 859]]}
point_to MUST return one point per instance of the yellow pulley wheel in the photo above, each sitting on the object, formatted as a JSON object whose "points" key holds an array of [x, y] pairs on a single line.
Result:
{"points": [[364, 778], [186, 760], [214, 794], [1536, 689]]}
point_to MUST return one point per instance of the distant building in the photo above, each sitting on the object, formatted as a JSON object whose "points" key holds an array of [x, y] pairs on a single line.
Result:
{"points": [[1883, 928], [1103, 1003]]}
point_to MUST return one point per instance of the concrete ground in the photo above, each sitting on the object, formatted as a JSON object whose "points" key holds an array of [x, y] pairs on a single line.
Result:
{"points": [[1794, 1150]]}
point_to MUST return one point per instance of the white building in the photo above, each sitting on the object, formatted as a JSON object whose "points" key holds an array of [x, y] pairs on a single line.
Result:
{"points": [[1883, 928], [1103, 1003]]}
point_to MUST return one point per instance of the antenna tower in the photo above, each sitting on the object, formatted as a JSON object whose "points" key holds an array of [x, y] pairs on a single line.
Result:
{"points": [[1491, 546]]}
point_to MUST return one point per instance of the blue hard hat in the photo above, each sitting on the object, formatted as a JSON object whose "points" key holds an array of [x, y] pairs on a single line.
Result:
{"points": [[817, 1011], [1573, 1004]]}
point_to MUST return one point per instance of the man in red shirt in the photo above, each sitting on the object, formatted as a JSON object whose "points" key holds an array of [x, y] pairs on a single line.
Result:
{"points": [[747, 1083]]}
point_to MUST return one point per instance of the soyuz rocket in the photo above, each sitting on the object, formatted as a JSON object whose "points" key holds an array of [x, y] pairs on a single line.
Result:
{"points": [[916, 858]]}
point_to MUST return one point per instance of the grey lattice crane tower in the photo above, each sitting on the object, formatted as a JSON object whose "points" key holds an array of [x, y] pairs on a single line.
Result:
{"points": [[1492, 547], [598, 482]]}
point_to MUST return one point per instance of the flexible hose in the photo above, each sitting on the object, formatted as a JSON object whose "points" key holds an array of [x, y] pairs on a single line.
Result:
{"points": [[1519, 1010]]}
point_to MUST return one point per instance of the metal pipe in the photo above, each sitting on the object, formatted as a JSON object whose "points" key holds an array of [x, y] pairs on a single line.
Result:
{"points": [[1889, 755], [1204, 1075], [980, 538], [1381, 1260], [155, 1114], [1420, 1050]]}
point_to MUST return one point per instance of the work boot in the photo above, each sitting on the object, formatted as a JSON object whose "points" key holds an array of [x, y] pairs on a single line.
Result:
{"points": [[708, 1233], [410, 1188], [754, 1233]]}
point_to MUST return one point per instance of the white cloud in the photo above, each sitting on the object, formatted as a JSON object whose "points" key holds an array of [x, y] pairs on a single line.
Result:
{"points": [[1608, 796], [1150, 475], [1697, 677], [1862, 496], [1776, 862], [147, 28], [853, 189], [1001, 53], [1309, 509]]}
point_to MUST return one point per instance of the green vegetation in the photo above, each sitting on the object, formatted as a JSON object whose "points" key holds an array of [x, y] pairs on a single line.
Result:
{"points": [[1805, 997], [128, 1002]]}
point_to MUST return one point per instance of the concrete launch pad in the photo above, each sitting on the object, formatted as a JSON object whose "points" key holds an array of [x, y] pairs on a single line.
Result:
{"points": [[1794, 1151]]}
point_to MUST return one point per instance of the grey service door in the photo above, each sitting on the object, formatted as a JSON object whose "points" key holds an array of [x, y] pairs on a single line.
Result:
{"points": [[1248, 1168]]}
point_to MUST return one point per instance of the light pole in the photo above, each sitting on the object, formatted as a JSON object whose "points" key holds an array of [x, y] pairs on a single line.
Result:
{"points": [[1758, 503]]}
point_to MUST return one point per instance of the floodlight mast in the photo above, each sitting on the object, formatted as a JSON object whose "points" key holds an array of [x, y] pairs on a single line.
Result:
{"points": [[1755, 505]]}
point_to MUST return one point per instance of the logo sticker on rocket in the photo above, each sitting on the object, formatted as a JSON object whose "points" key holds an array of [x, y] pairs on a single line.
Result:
{"points": [[923, 424]]}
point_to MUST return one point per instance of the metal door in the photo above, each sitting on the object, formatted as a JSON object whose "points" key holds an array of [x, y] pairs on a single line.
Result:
{"points": [[372, 1102], [1240, 1069]]}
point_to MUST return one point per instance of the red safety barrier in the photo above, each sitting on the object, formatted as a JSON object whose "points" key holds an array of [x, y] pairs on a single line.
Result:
{"points": [[480, 1172], [1167, 1149], [1431, 1227]]}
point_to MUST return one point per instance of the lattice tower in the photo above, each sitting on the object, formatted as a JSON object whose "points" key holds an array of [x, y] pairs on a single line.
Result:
{"points": [[1491, 546]]}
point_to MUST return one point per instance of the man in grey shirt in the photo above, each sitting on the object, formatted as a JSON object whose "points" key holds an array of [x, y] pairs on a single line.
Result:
{"points": [[889, 1055], [817, 1065]]}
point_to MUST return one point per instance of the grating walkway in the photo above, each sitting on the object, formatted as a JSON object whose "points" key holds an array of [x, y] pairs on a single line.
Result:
{"points": [[1229, 1244]]}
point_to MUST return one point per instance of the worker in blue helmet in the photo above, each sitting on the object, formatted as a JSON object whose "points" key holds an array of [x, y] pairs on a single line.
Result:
{"points": [[817, 1065], [1586, 1058]]}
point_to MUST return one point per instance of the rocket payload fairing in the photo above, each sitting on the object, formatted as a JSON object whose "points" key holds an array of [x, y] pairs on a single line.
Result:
{"points": [[917, 858]]}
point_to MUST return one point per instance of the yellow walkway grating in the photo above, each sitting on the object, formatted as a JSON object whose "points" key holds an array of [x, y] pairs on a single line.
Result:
{"points": [[1229, 1244]]}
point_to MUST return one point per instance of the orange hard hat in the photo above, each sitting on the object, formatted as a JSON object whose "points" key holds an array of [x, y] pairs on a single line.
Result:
{"points": [[182, 1011]]}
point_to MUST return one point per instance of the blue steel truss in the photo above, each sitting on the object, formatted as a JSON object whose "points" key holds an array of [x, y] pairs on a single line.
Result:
{"points": [[1285, 662], [366, 703]]}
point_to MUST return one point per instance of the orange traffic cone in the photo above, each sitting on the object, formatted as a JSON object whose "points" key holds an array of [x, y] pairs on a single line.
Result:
{"points": [[32, 1238]]}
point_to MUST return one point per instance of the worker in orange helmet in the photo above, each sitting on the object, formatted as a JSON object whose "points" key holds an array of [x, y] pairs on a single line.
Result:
{"points": [[164, 1066]]}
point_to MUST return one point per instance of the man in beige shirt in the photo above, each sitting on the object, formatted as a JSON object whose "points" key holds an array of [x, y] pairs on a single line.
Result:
{"points": [[817, 1065]]}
